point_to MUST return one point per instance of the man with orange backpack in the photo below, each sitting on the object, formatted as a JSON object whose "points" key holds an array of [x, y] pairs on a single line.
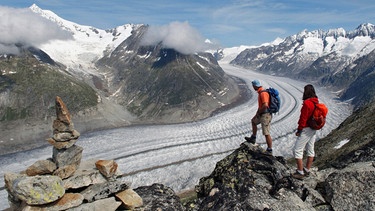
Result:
{"points": [[306, 132]]}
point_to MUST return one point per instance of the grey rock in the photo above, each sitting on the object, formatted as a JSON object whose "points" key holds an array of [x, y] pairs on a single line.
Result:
{"points": [[108, 204], [38, 190], [158, 197], [65, 157], [9, 178], [352, 188], [84, 176], [103, 190], [65, 171], [60, 126]]}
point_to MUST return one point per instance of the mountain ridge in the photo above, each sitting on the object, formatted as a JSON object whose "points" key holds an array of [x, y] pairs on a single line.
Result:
{"points": [[324, 58], [151, 85]]}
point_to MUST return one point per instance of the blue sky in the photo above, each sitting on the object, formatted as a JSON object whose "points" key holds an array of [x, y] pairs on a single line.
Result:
{"points": [[228, 22]]}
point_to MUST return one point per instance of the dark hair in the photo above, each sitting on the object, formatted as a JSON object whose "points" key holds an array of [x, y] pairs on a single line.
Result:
{"points": [[308, 92]]}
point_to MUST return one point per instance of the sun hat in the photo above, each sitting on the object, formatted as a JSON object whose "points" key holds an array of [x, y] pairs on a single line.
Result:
{"points": [[256, 83]]}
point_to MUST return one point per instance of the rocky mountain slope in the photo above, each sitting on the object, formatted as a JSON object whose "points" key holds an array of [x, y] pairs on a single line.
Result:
{"points": [[163, 85], [342, 60], [109, 79], [353, 141]]}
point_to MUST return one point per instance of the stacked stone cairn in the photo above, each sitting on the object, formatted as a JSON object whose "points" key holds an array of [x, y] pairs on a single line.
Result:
{"points": [[64, 183]]}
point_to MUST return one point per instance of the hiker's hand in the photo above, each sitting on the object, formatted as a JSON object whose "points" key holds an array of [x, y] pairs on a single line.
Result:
{"points": [[298, 133]]}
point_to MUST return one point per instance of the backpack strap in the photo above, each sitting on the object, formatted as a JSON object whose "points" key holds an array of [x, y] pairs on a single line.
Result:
{"points": [[312, 114], [269, 100]]}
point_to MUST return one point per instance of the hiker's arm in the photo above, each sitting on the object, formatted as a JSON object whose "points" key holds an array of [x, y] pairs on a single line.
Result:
{"points": [[262, 109]]}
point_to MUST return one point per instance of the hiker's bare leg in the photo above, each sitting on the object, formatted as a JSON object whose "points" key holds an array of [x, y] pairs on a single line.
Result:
{"points": [[309, 162], [299, 164], [269, 141], [254, 127]]}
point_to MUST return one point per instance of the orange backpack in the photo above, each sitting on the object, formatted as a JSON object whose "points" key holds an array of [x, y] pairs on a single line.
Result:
{"points": [[318, 118]]}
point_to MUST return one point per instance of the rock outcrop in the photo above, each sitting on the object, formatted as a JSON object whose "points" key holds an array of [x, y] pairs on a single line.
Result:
{"points": [[248, 179]]}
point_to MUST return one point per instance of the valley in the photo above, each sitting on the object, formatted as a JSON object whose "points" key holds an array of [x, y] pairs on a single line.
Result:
{"points": [[188, 151]]}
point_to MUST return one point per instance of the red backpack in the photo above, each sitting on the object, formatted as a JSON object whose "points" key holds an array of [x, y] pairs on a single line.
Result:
{"points": [[318, 118]]}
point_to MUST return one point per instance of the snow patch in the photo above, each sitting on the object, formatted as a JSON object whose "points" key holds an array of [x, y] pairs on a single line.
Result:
{"points": [[342, 143]]}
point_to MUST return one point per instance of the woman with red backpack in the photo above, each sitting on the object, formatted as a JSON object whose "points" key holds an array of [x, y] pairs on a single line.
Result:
{"points": [[305, 134]]}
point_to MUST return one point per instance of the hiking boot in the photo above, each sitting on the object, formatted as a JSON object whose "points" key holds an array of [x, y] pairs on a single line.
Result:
{"points": [[298, 176], [250, 139], [269, 151], [307, 173]]}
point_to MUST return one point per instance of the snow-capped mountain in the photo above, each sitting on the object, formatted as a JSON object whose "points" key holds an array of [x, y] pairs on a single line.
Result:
{"points": [[87, 46], [327, 58], [104, 56], [108, 78], [299, 51]]}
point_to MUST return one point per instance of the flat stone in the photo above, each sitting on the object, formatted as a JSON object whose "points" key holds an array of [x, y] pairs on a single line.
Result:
{"points": [[130, 199], [60, 144], [103, 190], [108, 204], [41, 167]]}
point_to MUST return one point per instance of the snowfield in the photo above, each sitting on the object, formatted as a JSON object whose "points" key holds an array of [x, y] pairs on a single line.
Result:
{"points": [[179, 155]]}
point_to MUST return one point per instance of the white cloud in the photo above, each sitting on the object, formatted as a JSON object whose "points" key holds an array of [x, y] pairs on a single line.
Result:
{"points": [[22, 26], [179, 36]]}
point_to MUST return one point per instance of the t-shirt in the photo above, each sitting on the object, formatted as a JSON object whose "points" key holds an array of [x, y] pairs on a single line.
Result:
{"points": [[263, 97]]}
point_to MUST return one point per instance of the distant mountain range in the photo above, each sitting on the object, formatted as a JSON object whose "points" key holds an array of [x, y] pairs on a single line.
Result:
{"points": [[342, 60]]}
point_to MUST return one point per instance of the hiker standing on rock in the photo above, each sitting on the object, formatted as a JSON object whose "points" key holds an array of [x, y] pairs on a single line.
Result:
{"points": [[305, 135], [262, 116]]}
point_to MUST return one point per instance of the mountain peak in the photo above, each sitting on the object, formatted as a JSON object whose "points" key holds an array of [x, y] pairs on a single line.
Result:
{"points": [[35, 7], [365, 29]]}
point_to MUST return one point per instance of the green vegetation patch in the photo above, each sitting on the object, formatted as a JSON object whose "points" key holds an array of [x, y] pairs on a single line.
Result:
{"points": [[32, 88]]}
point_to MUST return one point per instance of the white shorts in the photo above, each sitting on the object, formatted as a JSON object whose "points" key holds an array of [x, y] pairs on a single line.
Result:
{"points": [[305, 140]]}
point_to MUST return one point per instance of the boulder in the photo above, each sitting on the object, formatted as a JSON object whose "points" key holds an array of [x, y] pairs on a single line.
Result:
{"points": [[38, 190], [352, 188]]}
